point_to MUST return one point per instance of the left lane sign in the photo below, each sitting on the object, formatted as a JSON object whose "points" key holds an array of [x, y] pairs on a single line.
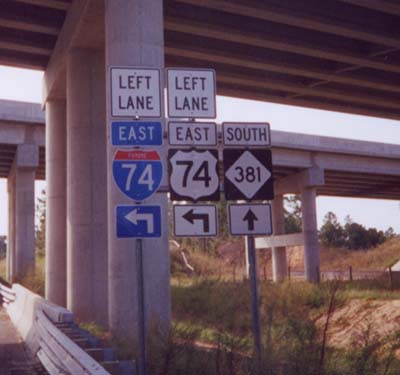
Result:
{"points": [[139, 221], [136, 133], [137, 173], [135, 92], [191, 93]]}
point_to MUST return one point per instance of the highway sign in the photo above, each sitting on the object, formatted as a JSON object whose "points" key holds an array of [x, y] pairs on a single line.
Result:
{"points": [[191, 93], [135, 92], [137, 173], [250, 219], [185, 133], [246, 134], [248, 174], [137, 133], [139, 221], [193, 175], [195, 221]]}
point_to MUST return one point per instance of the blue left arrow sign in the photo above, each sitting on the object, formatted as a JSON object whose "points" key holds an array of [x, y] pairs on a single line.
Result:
{"points": [[138, 221], [137, 133]]}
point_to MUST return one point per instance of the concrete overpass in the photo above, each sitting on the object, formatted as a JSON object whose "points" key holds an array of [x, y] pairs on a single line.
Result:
{"points": [[303, 164], [22, 141], [298, 53]]}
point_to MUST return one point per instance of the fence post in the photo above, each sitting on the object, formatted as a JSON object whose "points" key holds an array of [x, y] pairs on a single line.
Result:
{"points": [[265, 273], [390, 278], [350, 273], [234, 272], [289, 269]]}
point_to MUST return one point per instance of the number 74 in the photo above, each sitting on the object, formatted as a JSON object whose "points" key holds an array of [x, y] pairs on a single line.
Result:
{"points": [[202, 173], [145, 178]]}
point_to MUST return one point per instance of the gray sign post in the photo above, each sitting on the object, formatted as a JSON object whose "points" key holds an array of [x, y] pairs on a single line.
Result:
{"points": [[248, 176], [255, 312], [142, 335]]}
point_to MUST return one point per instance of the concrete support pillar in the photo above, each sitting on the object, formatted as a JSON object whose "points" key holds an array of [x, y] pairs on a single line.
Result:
{"points": [[310, 230], [56, 223], [11, 229], [279, 262], [24, 222], [21, 232], [135, 43], [86, 186]]}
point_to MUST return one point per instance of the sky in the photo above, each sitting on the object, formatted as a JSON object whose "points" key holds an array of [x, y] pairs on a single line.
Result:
{"points": [[25, 85]]}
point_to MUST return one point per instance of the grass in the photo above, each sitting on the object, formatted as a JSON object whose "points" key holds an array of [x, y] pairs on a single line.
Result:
{"points": [[33, 281], [379, 258], [3, 264], [212, 327], [212, 322], [212, 332], [95, 329]]}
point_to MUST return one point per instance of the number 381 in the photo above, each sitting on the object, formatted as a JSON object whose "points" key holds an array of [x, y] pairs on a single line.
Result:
{"points": [[248, 174]]}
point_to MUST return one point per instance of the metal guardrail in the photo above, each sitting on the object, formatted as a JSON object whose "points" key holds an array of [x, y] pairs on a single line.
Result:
{"points": [[60, 354], [7, 295], [57, 352]]}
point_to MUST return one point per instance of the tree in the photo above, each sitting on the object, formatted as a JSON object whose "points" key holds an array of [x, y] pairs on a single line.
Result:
{"points": [[40, 227], [375, 237], [389, 233], [331, 232], [292, 214], [356, 236], [359, 237], [3, 246]]}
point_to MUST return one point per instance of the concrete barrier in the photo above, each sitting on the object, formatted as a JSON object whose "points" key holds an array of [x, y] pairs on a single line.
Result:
{"points": [[23, 314], [35, 319], [7, 295]]}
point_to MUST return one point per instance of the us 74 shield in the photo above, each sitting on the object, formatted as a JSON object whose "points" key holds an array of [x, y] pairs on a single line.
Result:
{"points": [[193, 175]]}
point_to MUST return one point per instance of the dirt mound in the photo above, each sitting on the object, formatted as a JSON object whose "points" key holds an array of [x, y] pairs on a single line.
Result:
{"points": [[361, 320], [232, 252], [295, 257]]}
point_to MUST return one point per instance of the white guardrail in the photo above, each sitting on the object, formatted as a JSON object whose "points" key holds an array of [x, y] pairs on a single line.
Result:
{"points": [[35, 319], [7, 295]]}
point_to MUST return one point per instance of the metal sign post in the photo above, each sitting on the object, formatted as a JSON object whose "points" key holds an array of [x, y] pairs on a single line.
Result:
{"points": [[136, 94], [140, 300], [248, 176], [251, 253]]}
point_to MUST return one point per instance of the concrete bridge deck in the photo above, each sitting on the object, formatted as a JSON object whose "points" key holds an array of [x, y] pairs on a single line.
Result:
{"points": [[347, 167]]}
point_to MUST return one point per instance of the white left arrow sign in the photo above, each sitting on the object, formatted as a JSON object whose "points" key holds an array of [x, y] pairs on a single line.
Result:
{"points": [[134, 217], [195, 220]]}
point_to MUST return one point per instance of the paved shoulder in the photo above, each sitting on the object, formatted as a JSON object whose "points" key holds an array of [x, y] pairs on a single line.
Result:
{"points": [[13, 355]]}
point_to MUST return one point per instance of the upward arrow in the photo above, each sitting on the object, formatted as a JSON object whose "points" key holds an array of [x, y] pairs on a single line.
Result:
{"points": [[250, 217]]}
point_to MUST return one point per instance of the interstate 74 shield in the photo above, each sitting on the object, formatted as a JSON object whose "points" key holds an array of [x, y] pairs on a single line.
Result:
{"points": [[137, 173], [193, 175]]}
